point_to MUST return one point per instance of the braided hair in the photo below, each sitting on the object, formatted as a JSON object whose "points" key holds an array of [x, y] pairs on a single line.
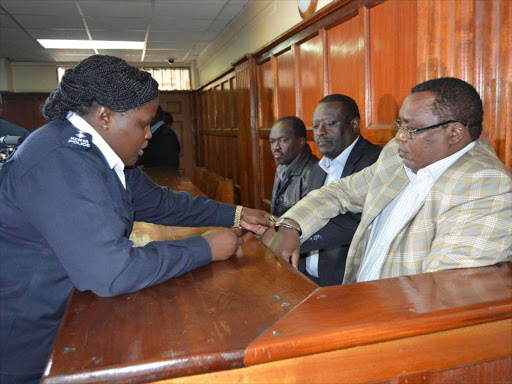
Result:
{"points": [[106, 80]]}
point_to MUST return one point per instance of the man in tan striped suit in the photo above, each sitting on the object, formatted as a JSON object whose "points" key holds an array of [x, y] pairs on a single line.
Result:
{"points": [[437, 198]]}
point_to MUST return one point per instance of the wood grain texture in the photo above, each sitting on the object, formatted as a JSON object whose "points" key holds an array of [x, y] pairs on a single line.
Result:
{"points": [[479, 354], [346, 61], [393, 31], [472, 40], [244, 122], [311, 64], [286, 84], [358, 314], [265, 74]]}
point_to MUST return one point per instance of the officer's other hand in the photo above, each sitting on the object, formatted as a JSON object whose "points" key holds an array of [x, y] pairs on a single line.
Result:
{"points": [[223, 243], [256, 221], [286, 244]]}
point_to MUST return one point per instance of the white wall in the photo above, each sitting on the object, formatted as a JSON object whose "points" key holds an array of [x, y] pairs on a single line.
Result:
{"points": [[261, 22]]}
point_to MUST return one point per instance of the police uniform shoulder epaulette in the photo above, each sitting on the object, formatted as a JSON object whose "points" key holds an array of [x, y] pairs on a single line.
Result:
{"points": [[74, 138]]}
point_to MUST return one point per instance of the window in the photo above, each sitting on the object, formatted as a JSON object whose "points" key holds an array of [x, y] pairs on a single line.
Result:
{"points": [[169, 79]]}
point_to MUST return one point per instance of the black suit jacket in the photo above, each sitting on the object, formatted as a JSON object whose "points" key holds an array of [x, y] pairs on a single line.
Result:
{"points": [[333, 240]]}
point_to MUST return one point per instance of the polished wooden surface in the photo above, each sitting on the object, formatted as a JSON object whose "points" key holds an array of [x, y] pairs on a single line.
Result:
{"points": [[199, 322], [364, 313], [311, 72], [479, 354], [346, 60]]}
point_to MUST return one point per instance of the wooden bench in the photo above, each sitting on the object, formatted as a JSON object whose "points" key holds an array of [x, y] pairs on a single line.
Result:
{"points": [[214, 186]]}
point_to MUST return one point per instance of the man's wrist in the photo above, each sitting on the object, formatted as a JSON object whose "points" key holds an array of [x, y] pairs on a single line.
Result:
{"points": [[290, 224]]}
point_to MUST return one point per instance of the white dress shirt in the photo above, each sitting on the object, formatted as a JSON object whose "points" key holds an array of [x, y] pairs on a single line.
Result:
{"points": [[399, 212], [114, 162], [334, 169]]}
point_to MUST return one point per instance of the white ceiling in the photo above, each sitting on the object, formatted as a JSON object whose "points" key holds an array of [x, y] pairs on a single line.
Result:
{"points": [[179, 29]]}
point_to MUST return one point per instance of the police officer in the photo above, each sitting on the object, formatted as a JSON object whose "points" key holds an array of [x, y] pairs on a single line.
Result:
{"points": [[68, 200]]}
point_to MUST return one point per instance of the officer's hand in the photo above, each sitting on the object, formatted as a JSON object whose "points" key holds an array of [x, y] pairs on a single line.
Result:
{"points": [[223, 243], [286, 243], [256, 221]]}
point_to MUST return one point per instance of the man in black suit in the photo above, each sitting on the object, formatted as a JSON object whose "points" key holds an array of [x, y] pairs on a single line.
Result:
{"points": [[336, 127]]}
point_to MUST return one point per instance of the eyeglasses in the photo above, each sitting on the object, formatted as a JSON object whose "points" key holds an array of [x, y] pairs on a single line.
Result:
{"points": [[411, 132]]}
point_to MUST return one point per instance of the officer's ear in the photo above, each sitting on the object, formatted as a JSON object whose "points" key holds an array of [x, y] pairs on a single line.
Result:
{"points": [[104, 117], [302, 142]]}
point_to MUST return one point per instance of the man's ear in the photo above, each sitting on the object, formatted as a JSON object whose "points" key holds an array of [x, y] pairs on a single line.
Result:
{"points": [[457, 131], [355, 124], [302, 141]]}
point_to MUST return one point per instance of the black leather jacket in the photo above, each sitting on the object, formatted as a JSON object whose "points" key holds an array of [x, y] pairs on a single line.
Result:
{"points": [[296, 184]]}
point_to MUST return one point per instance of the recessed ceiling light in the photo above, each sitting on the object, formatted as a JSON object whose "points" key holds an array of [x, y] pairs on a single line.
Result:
{"points": [[90, 44]]}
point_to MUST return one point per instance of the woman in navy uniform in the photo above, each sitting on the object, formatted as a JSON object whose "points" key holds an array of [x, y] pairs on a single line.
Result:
{"points": [[67, 207]]}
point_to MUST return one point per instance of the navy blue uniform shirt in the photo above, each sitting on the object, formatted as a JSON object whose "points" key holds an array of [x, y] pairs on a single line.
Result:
{"points": [[65, 221]]}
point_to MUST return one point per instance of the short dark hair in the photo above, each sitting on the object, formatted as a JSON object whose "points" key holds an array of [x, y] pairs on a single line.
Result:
{"points": [[348, 105], [105, 80], [298, 126], [457, 100]]}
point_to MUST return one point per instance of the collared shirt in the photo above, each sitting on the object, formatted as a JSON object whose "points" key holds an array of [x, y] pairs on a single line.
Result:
{"points": [[155, 127], [334, 169], [399, 212], [114, 161]]}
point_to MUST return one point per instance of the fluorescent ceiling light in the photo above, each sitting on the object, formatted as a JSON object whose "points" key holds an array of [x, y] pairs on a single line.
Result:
{"points": [[90, 44]]}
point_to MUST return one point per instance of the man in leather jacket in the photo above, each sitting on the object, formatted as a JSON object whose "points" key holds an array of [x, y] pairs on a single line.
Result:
{"points": [[294, 161]]}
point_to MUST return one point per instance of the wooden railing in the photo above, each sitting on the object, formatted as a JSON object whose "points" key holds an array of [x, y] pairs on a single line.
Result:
{"points": [[253, 318]]}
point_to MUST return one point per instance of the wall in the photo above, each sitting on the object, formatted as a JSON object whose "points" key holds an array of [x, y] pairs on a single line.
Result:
{"points": [[261, 22], [371, 50], [25, 77]]}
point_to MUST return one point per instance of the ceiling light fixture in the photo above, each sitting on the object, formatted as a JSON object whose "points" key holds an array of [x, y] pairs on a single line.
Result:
{"points": [[90, 44]]}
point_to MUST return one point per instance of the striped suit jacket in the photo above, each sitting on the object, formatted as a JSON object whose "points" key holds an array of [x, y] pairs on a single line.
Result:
{"points": [[465, 220]]}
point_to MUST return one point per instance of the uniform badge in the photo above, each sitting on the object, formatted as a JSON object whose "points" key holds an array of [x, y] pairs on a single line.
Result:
{"points": [[79, 140]]}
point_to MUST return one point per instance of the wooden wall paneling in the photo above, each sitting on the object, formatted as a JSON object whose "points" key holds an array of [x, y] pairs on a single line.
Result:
{"points": [[393, 42], [266, 119], [267, 168], [286, 84], [217, 108], [472, 40], [24, 109], [346, 61], [311, 74], [211, 129], [197, 124], [234, 141], [243, 89], [266, 116]]}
